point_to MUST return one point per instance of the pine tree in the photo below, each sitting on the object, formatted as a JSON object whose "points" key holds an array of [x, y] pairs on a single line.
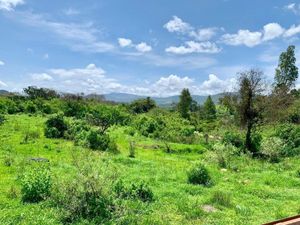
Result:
{"points": [[184, 105], [210, 109]]}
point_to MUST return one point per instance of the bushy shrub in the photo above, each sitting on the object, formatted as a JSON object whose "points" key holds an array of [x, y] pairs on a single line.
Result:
{"points": [[31, 107], [290, 135], [139, 191], [36, 184], [86, 194], [97, 141], [55, 126], [199, 175], [234, 139], [2, 119], [273, 148]]}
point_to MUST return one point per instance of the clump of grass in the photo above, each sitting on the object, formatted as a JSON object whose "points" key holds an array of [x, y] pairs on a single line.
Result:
{"points": [[12, 193], [8, 160], [132, 149], [221, 198]]}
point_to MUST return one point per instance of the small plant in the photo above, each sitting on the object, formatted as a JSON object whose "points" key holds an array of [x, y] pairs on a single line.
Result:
{"points": [[97, 141], [36, 184], [139, 191], [12, 193], [221, 198], [272, 149], [132, 149], [298, 173], [55, 127], [199, 175], [2, 119], [8, 161]]}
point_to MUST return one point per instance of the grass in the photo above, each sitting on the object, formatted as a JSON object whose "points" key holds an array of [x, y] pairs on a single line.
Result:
{"points": [[254, 192]]}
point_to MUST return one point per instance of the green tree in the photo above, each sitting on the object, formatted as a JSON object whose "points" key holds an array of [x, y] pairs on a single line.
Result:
{"points": [[250, 88], [210, 109], [286, 72], [142, 105], [184, 105]]}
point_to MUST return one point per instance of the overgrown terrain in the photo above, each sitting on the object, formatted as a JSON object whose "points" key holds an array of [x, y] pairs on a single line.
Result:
{"points": [[65, 159]]}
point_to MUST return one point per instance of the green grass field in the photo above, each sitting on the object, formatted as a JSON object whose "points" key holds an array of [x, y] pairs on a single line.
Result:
{"points": [[257, 191]]}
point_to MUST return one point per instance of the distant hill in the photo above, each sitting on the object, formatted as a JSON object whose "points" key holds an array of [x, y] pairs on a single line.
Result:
{"points": [[3, 92], [161, 101]]}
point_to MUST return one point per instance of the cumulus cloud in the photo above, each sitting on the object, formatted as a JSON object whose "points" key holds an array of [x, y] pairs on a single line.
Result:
{"points": [[41, 77], [177, 25], [215, 85], [293, 30], [143, 47], [9, 5], [272, 30], [124, 42], [71, 12], [243, 37], [2, 63], [269, 32], [194, 47]]}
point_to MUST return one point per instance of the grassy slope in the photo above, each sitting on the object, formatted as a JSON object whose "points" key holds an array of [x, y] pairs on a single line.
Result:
{"points": [[260, 191]]}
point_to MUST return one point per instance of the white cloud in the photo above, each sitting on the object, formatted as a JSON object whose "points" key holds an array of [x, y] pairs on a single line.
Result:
{"points": [[293, 30], [272, 30], [124, 42], [2, 84], [9, 5], [243, 37], [215, 85], [178, 26], [41, 77], [194, 47], [143, 47], [293, 7], [80, 37], [204, 34], [46, 56], [2, 63]]}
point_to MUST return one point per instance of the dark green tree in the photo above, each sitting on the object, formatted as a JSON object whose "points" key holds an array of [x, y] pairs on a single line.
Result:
{"points": [[287, 71], [250, 88], [142, 105], [210, 110], [184, 105]]}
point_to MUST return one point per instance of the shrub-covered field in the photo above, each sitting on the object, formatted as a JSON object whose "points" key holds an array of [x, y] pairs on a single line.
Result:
{"points": [[77, 185]]}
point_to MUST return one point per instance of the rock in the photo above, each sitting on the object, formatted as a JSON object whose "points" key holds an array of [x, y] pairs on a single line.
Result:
{"points": [[223, 170], [209, 208], [39, 159]]}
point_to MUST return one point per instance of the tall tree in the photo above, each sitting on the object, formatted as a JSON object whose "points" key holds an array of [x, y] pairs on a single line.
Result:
{"points": [[287, 71], [251, 87], [184, 105], [210, 108]]}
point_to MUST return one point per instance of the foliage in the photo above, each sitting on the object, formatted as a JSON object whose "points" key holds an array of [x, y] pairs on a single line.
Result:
{"points": [[55, 126], [221, 198], [233, 138], [290, 135], [272, 148], [34, 92], [139, 191], [2, 119], [97, 141], [132, 149], [36, 184], [142, 105], [199, 175], [287, 71], [250, 88], [184, 105], [210, 110]]}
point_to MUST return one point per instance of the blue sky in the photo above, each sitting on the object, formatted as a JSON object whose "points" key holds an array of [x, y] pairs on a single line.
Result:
{"points": [[153, 48]]}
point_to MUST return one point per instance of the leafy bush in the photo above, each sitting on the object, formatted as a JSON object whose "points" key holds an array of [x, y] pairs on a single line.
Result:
{"points": [[36, 184], [30, 107], [221, 198], [86, 194], [290, 135], [233, 139], [199, 175], [97, 141], [272, 148], [55, 126], [139, 191], [2, 119]]}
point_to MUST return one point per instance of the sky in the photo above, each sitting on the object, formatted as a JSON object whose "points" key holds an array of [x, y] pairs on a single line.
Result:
{"points": [[151, 48]]}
